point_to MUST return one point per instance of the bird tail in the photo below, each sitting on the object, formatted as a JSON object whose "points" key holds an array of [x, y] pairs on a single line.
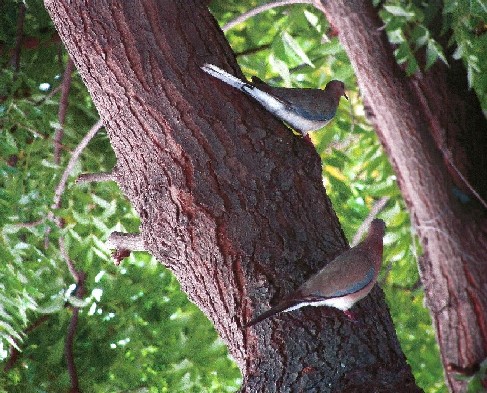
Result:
{"points": [[224, 76], [283, 306], [267, 100]]}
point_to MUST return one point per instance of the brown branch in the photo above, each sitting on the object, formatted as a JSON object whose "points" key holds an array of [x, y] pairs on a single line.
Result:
{"points": [[129, 241], [68, 352], [448, 157], [251, 51], [72, 162], [69, 168], [15, 61], [69, 344], [80, 278], [49, 95], [124, 244], [31, 224], [62, 248], [63, 107], [97, 177], [262, 8], [378, 206]]}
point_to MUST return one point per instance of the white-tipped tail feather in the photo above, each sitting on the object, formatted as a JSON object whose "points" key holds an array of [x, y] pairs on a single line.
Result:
{"points": [[224, 76], [268, 101]]}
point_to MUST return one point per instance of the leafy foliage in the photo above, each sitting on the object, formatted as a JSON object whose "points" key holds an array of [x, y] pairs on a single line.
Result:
{"points": [[418, 27], [137, 331], [406, 26], [468, 20]]}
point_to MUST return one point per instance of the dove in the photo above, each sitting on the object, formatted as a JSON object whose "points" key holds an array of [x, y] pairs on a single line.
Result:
{"points": [[304, 110], [342, 282]]}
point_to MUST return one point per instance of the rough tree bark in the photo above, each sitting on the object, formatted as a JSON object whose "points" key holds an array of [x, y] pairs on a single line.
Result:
{"points": [[431, 126], [229, 199]]}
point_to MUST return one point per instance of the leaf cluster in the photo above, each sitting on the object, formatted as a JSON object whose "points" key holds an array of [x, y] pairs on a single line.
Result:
{"points": [[136, 330]]}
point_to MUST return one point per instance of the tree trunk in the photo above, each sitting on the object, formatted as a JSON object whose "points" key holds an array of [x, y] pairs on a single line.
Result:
{"points": [[432, 128], [229, 199]]}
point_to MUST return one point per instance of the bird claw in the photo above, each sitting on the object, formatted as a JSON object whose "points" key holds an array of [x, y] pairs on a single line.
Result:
{"points": [[351, 316], [307, 138]]}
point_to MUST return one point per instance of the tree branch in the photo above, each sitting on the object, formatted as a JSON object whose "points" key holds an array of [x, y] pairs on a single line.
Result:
{"points": [[262, 8], [15, 60], [72, 162], [96, 177], [58, 192], [129, 241], [69, 344], [378, 206], [49, 95]]}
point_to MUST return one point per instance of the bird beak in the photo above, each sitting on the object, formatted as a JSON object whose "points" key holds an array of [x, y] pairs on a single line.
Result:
{"points": [[345, 95]]}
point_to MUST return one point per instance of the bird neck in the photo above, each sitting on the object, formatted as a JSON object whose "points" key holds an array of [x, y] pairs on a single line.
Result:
{"points": [[374, 242]]}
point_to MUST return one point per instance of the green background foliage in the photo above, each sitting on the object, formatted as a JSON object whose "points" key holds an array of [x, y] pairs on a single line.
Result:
{"points": [[137, 331]]}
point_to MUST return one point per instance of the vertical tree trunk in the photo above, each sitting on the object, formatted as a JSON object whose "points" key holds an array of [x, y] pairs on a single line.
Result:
{"points": [[432, 128], [228, 198]]}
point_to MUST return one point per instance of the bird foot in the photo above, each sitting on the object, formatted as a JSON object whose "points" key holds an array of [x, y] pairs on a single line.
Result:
{"points": [[351, 316], [307, 138]]}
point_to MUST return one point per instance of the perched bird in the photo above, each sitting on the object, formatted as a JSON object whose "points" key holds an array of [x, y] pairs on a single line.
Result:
{"points": [[304, 110], [342, 282]]}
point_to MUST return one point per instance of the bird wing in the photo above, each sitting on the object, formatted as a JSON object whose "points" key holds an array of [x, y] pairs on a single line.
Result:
{"points": [[351, 287], [348, 273], [312, 104]]}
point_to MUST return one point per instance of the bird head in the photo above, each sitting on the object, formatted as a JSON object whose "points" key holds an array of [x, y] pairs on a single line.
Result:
{"points": [[337, 88], [377, 228]]}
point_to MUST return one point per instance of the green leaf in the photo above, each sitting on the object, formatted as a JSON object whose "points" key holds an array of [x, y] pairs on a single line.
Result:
{"points": [[433, 52], [398, 11], [292, 44]]}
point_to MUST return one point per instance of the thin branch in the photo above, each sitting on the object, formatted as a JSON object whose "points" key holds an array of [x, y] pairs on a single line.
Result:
{"points": [[352, 115], [15, 61], [69, 168], [63, 107], [251, 51], [62, 248], [72, 161], [49, 95], [80, 278], [378, 206], [448, 156], [31, 224], [128, 241], [69, 344], [262, 8], [97, 177], [69, 353]]}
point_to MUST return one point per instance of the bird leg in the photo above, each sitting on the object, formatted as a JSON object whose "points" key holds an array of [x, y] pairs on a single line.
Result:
{"points": [[307, 138], [351, 316]]}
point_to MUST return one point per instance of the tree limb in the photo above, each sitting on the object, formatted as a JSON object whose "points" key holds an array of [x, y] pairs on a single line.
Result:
{"points": [[262, 8]]}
